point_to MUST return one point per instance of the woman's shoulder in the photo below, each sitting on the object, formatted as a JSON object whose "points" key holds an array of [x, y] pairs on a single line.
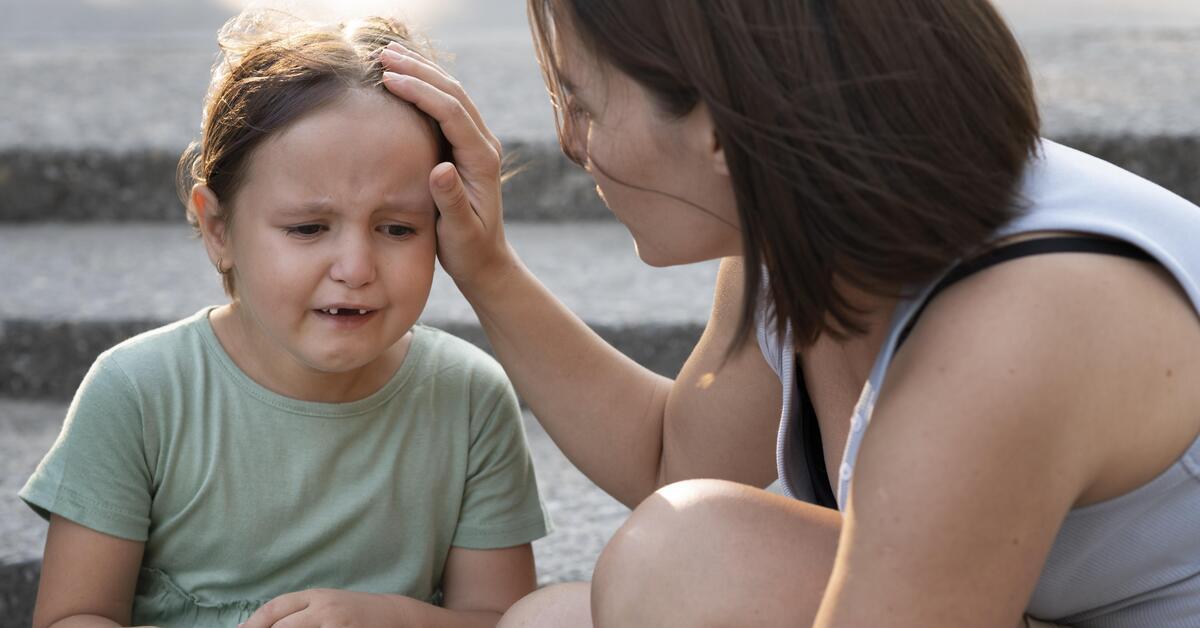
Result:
{"points": [[1096, 339]]}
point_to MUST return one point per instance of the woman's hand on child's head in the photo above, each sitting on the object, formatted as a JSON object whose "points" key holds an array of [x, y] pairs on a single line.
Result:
{"points": [[471, 243], [325, 608]]}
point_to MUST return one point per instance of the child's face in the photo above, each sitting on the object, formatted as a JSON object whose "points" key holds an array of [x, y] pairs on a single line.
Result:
{"points": [[335, 213]]}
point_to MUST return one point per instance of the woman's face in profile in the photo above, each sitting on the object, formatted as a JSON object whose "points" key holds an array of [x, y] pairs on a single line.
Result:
{"points": [[658, 173]]}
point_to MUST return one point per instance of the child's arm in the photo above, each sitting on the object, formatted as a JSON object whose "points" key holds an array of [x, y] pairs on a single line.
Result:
{"points": [[479, 585], [88, 578]]}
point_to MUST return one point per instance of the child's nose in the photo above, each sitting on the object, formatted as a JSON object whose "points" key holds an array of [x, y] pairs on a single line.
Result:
{"points": [[354, 264]]}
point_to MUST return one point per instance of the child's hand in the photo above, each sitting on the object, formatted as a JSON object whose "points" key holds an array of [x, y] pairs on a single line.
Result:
{"points": [[321, 608]]}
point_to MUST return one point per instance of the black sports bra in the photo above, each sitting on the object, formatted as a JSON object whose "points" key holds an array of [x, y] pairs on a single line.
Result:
{"points": [[809, 434]]}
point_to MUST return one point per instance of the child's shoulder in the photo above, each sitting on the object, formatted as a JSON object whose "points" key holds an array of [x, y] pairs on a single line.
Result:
{"points": [[448, 356], [160, 350]]}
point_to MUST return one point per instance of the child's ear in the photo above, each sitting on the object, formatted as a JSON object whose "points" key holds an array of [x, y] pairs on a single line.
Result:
{"points": [[213, 224]]}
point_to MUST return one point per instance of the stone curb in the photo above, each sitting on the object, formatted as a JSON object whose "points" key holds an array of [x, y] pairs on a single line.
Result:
{"points": [[47, 360], [38, 185]]}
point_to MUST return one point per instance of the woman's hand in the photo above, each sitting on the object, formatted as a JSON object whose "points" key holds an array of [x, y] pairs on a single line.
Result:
{"points": [[319, 608], [471, 243]]}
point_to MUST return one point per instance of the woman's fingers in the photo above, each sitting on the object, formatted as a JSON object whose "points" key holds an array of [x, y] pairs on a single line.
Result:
{"points": [[472, 150], [451, 198], [399, 60]]}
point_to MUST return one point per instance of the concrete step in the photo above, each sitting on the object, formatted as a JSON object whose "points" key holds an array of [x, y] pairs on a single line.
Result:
{"points": [[91, 127], [83, 288], [584, 516], [38, 185]]}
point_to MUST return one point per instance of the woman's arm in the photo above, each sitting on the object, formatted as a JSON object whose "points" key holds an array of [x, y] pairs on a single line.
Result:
{"points": [[627, 428], [88, 578]]}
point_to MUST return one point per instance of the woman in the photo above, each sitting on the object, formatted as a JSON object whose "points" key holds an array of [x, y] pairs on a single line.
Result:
{"points": [[1016, 323]]}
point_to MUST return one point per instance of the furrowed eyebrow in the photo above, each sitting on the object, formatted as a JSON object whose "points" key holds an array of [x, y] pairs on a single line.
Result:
{"points": [[307, 209], [321, 209]]}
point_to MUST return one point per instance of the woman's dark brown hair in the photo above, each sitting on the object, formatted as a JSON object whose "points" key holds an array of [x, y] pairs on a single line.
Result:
{"points": [[870, 142], [273, 69]]}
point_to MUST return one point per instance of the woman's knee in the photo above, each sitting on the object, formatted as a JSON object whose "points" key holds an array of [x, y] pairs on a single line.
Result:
{"points": [[706, 551], [556, 606]]}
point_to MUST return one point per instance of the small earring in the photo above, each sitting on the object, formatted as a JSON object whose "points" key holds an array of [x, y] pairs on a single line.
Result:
{"points": [[221, 268]]}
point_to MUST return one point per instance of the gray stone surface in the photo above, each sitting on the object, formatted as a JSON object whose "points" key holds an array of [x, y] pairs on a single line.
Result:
{"points": [[82, 288], [100, 98], [125, 75], [584, 516]]}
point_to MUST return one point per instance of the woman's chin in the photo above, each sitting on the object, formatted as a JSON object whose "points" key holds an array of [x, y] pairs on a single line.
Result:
{"points": [[659, 258]]}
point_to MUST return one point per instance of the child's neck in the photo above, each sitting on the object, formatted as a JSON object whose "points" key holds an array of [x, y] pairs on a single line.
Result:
{"points": [[283, 374]]}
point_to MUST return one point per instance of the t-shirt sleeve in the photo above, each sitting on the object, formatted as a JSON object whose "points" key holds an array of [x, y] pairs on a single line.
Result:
{"points": [[96, 474], [501, 506]]}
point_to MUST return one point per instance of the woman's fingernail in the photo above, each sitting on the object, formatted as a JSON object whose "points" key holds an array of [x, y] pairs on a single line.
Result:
{"points": [[392, 76], [395, 47], [392, 55], [445, 179]]}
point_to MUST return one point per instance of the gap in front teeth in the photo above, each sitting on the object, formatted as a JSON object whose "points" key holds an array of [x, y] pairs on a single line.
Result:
{"points": [[336, 311]]}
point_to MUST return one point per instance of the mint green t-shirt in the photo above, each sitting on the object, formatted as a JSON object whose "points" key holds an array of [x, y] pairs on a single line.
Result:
{"points": [[241, 494]]}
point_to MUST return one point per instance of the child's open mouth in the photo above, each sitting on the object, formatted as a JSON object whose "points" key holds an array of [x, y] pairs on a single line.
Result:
{"points": [[345, 318], [341, 311]]}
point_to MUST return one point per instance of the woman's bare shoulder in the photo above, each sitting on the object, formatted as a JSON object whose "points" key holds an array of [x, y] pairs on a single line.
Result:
{"points": [[1111, 342]]}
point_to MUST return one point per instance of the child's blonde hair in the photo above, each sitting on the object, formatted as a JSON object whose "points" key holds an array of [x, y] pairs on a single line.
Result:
{"points": [[274, 68]]}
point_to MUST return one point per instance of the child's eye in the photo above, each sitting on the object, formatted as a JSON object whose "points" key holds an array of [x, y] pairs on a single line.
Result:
{"points": [[398, 231], [305, 230]]}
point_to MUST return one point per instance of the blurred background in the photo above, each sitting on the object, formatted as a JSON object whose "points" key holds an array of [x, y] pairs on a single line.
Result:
{"points": [[79, 70]]}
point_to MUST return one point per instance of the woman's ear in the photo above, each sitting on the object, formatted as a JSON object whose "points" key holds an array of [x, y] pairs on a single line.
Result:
{"points": [[704, 137], [718, 155], [213, 225]]}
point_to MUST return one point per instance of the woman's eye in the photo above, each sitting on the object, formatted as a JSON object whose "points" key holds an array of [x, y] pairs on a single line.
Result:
{"points": [[305, 230], [398, 230], [575, 110]]}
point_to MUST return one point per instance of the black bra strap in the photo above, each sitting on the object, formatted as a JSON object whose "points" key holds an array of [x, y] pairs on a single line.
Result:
{"points": [[1040, 246], [812, 445]]}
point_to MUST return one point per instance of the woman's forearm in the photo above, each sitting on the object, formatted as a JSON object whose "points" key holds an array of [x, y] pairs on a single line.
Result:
{"points": [[603, 410]]}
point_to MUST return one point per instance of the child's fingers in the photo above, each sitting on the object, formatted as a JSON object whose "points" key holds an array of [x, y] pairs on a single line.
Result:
{"points": [[273, 612], [401, 61], [472, 150]]}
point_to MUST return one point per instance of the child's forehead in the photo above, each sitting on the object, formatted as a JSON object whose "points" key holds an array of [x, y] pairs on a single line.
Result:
{"points": [[356, 146], [360, 129], [359, 112]]}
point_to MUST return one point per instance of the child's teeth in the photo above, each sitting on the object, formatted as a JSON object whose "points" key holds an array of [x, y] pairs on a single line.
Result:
{"points": [[362, 311], [333, 310]]}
